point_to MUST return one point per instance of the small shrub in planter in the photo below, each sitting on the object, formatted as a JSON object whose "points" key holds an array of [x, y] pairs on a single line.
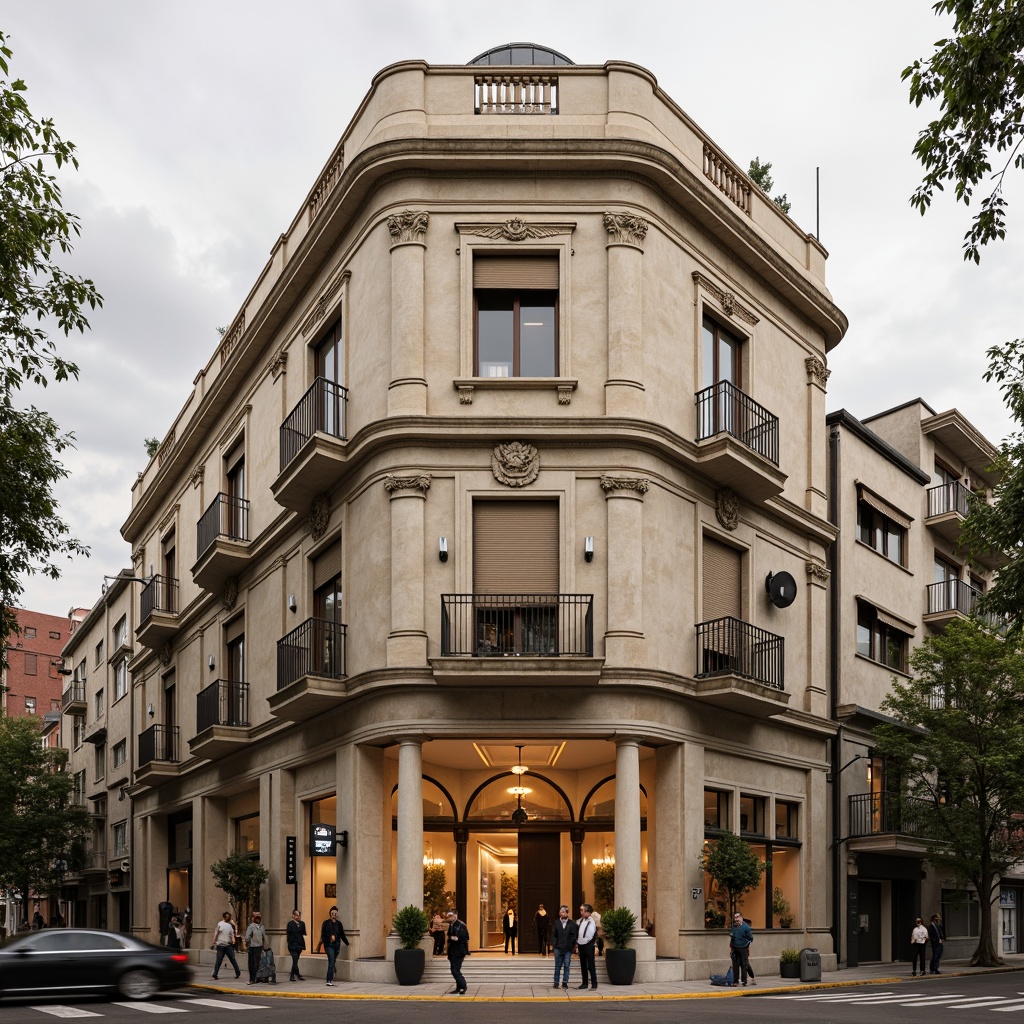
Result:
{"points": [[411, 924], [789, 963], [620, 959]]}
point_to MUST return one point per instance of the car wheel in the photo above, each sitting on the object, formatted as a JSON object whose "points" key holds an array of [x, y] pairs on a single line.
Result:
{"points": [[138, 985]]}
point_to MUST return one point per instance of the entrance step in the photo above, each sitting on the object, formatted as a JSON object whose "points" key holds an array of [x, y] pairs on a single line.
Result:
{"points": [[488, 969]]}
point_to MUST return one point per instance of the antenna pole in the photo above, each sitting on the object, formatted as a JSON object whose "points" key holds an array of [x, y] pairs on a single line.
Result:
{"points": [[817, 203]]}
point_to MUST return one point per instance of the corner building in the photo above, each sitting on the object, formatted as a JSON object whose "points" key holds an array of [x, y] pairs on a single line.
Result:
{"points": [[487, 473]]}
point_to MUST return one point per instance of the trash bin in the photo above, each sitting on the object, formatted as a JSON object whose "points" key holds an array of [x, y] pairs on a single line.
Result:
{"points": [[810, 965]]}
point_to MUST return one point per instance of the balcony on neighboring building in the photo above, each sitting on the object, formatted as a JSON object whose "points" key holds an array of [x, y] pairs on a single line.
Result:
{"points": [[740, 667], [313, 441], [738, 442], [158, 612], [888, 821], [310, 670], [222, 542], [158, 753], [955, 599], [72, 701], [517, 638], [222, 719], [948, 505]]}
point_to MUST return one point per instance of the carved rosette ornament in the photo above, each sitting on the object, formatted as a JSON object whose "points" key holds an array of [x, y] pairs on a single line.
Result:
{"points": [[393, 484], [515, 464], [626, 228], [638, 485], [817, 372], [319, 516], [165, 653], [817, 572], [409, 226], [229, 595], [727, 508]]}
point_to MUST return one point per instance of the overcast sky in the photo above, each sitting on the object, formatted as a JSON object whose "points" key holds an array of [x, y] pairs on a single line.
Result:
{"points": [[201, 125]]}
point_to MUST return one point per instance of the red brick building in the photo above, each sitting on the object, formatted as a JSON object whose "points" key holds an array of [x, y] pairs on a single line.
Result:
{"points": [[32, 681]]}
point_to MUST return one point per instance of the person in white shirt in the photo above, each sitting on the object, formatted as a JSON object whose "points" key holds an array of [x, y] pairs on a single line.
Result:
{"points": [[224, 944], [918, 940], [586, 943]]}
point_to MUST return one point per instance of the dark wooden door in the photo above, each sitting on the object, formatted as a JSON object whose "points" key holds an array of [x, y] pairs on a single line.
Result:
{"points": [[870, 908], [539, 882]]}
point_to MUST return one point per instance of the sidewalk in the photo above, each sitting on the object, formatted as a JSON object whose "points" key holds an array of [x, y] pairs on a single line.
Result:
{"points": [[314, 988]]}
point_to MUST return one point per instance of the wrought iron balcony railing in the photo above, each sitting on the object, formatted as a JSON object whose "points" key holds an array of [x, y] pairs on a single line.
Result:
{"points": [[159, 595], [322, 408], [226, 517], [158, 743], [551, 625], [723, 408], [74, 694], [729, 646], [224, 702], [316, 648], [887, 813], [950, 497]]}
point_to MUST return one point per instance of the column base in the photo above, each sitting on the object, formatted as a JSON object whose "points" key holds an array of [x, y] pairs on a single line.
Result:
{"points": [[407, 649], [407, 396], [624, 648], [624, 398]]}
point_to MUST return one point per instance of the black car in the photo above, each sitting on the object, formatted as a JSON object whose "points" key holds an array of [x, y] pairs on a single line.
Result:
{"points": [[80, 961]]}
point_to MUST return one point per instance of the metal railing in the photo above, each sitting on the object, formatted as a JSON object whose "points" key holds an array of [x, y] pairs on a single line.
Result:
{"points": [[74, 694], [158, 743], [887, 813], [949, 497], [484, 625], [505, 93], [159, 595], [316, 648], [227, 517], [958, 596], [723, 408], [322, 408], [729, 646], [224, 702]]}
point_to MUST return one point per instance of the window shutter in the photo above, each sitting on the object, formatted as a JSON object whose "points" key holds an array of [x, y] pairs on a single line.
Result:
{"points": [[723, 568], [516, 273], [326, 566], [515, 547]]}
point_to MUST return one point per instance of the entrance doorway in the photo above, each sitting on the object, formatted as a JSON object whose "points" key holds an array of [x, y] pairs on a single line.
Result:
{"points": [[869, 937]]}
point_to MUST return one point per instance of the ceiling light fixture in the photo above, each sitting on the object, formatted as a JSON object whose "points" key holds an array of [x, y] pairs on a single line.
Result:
{"points": [[519, 816]]}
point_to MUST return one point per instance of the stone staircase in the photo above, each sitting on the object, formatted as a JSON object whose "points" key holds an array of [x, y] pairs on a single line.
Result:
{"points": [[498, 969]]}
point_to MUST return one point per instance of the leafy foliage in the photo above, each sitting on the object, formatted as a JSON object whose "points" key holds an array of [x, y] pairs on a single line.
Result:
{"points": [[733, 866], [241, 879], [962, 757], [411, 924], [789, 956], [617, 925], [760, 175], [39, 826], [435, 881], [977, 75], [152, 445], [604, 887]]}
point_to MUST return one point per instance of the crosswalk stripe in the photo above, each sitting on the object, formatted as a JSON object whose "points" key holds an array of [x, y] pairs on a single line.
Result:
{"points": [[1015, 1006], [66, 1011], [224, 1004], [979, 1003], [151, 1007]]}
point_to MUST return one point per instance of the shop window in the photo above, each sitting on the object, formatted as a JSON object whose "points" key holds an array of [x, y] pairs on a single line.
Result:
{"points": [[716, 809], [786, 819], [752, 814], [961, 913], [247, 836]]}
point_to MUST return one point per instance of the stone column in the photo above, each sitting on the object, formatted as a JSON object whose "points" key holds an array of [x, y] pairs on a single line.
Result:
{"points": [[407, 641], [407, 395], [410, 822], [624, 389], [817, 453], [627, 824], [667, 897], [278, 820], [624, 638]]}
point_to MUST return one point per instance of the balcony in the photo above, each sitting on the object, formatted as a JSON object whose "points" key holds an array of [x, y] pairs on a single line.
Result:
{"points": [[955, 599], [159, 612], [889, 822], [310, 670], [222, 719], [538, 639], [948, 505], [313, 441], [222, 542], [72, 701], [740, 667], [738, 442], [158, 753]]}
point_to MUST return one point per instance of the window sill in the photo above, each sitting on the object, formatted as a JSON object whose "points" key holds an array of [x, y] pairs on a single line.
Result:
{"points": [[883, 666], [564, 386], [885, 558]]}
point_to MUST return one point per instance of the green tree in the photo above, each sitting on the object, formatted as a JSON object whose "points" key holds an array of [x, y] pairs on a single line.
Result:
{"points": [[35, 292], [977, 77], [604, 887], [435, 894], [40, 826], [761, 176], [960, 754], [241, 879], [733, 866]]}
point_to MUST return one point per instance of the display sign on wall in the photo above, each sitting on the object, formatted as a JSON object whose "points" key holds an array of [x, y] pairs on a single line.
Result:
{"points": [[321, 841], [289, 860]]}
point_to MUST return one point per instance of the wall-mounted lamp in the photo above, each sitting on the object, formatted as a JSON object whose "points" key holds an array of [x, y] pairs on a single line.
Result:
{"points": [[442, 548], [150, 711], [291, 603], [211, 662], [342, 839], [58, 664], [830, 775], [588, 549]]}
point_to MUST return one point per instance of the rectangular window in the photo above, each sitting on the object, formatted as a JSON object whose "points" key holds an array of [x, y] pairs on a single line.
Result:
{"points": [[752, 816], [99, 653], [121, 633], [515, 316], [77, 730], [961, 913], [31, 664], [101, 760], [880, 532], [120, 679], [120, 832], [880, 637], [30, 705], [786, 819], [29, 632], [119, 754], [78, 792], [247, 835], [716, 809], [100, 703], [80, 673], [720, 355], [54, 635]]}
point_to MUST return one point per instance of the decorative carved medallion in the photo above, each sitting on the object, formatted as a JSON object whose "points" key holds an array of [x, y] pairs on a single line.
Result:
{"points": [[319, 516], [197, 476], [727, 508], [817, 571], [730, 304], [165, 653], [407, 483], [515, 464], [817, 373], [408, 226], [229, 595], [626, 228], [516, 230], [625, 483], [277, 365]]}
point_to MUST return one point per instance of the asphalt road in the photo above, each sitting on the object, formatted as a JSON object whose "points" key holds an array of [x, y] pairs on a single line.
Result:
{"points": [[952, 1000]]}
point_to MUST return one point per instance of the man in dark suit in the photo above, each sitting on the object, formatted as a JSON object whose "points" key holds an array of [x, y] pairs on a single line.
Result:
{"points": [[937, 934], [458, 950], [586, 944], [563, 939], [510, 926]]}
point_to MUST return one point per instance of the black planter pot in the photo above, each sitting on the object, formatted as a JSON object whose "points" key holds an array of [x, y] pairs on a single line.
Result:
{"points": [[621, 964], [409, 965], [789, 970]]}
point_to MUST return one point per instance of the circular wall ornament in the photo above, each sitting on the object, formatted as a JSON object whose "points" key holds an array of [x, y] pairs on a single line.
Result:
{"points": [[727, 508], [515, 464]]}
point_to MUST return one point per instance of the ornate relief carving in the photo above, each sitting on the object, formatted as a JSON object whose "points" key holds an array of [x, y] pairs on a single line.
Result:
{"points": [[817, 372], [232, 336], [168, 519], [515, 464], [625, 483], [408, 226], [325, 186], [229, 595], [277, 366], [465, 394], [319, 516], [626, 228], [727, 508], [730, 304], [197, 476], [565, 394], [407, 483], [322, 303], [516, 230], [166, 448], [165, 653], [817, 571]]}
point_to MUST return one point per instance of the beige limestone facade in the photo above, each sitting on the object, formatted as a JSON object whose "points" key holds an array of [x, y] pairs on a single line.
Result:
{"points": [[489, 472]]}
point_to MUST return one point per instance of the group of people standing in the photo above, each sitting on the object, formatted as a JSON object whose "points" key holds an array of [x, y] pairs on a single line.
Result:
{"points": [[935, 933]]}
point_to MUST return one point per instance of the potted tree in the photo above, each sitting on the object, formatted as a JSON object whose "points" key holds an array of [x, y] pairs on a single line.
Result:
{"points": [[789, 963], [241, 878], [411, 924], [620, 958], [733, 866], [780, 908]]}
